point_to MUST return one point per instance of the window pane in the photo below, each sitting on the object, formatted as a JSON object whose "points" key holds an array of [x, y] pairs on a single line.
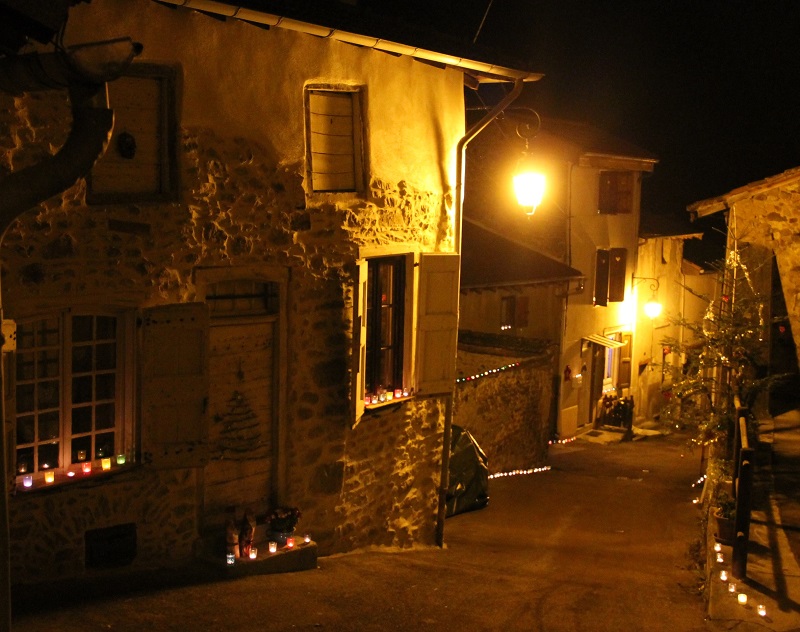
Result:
{"points": [[106, 328], [48, 426], [104, 445], [82, 359], [49, 333], [25, 335], [48, 456], [81, 420], [104, 416], [106, 355], [386, 326], [47, 365], [48, 394], [81, 328], [82, 389], [387, 369], [105, 386], [25, 366], [24, 460], [25, 398], [26, 429], [81, 449]]}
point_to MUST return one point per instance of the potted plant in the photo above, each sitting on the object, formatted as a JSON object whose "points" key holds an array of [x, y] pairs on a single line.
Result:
{"points": [[282, 522], [725, 515]]}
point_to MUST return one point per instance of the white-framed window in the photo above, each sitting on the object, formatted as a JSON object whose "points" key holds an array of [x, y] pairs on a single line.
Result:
{"points": [[405, 327], [72, 395], [334, 146]]}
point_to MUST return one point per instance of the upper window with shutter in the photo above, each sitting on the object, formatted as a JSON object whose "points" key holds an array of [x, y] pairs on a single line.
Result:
{"points": [[610, 275], [334, 147], [616, 192], [140, 163]]}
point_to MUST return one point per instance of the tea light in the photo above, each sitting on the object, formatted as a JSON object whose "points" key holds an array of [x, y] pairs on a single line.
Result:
{"points": [[731, 587], [405, 392], [723, 575], [762, 610], [49, 476], [307, 538], [230, 559], [23, 467], [106, 463], [720, 559], [717, 547], [253, 553], [81, 455], [398, 392], [70, 473], [28, 481], [87, 467], [120, 459], [290, 542], [742, 598], [273, 547]]}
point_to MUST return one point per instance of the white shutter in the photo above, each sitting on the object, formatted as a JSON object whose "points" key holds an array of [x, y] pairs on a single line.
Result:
{"points": [[174, 385], [437, 323], [359, 341]]}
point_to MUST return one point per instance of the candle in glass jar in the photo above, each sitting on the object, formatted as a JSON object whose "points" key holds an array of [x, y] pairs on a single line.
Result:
{"points": [[723, 575], [398, 392], [717, 547], [49, 476], [28, 481], [253, 553], [290, 542], [273, 547], [121, 459], [742, 598], [106, 463], [720, 559], [762, 610], [230, 558], [87, 467], [307, 538], [731, 587]]}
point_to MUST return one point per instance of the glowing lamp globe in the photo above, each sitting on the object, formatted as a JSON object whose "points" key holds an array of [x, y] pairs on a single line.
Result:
{"points": [[529, 189], [652, 309]]}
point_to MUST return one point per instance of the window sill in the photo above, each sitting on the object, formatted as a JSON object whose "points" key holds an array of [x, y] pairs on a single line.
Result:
{"points": [[391, 402], [70, 476]]}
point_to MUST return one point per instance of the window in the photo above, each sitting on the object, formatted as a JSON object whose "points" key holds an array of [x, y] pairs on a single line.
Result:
{"points": [[140, 164], [385, 325], [610, 276], [392, 351], [242, 297], [513, 312], [334, 140], [616, 192], [70, 397]]}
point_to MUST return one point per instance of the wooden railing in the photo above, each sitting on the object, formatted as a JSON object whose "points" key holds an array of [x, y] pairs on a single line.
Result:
{"points": [[743, 461]]}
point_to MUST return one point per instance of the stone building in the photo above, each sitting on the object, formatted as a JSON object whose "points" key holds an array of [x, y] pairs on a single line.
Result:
{"points": [[194, 324]]}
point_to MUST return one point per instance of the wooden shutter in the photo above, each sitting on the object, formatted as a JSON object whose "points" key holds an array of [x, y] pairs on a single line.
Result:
{"points": [[359, 341], [332, 144], [616, 274], [437, 323], [9, 396], [174, 385], [625, 362], [601, 278]]}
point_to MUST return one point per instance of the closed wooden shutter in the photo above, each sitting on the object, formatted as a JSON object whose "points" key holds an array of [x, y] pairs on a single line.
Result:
{"points": [[601, 278], [174, 385], [617, 262], [359, 341], [333, 142], [437, 323]]}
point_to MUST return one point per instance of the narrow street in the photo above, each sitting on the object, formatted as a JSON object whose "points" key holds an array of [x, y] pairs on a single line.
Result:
{"points": [[602, 541]]}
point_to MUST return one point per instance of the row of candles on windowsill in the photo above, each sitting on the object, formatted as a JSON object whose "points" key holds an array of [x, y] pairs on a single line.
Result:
{"points": [[741, 597], [85, 469], [383, 396], [230, 558]]}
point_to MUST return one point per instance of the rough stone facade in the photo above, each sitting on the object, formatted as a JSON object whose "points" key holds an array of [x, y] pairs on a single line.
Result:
{"points": [[239, 207], [508, 412]]}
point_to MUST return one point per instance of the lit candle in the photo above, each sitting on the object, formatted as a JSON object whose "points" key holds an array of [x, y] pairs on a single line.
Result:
{"points": [[389, 396], [731, 587], [81, 455], [70, 473], [230, 558], [120, 459], [742, 598], [28, 481], [307, 538], [49, 476], [398, 392], [405, 392], [762, 610], [273, 547], [106, 463], [22, 468], [253, 553], [720, 559], [87, 467], [290, 542], [723, 575], [717, 547]]}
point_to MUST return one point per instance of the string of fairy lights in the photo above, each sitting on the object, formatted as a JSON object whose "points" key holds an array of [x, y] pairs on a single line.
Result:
{"points": [[487, 373]]}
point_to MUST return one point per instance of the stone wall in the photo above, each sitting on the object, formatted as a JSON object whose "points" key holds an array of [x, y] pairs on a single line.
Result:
{"points": [[508, 412]]}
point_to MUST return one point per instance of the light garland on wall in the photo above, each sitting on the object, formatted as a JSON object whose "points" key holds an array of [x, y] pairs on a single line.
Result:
{"points": [[487, 373], [535, 470], [557, 441]]}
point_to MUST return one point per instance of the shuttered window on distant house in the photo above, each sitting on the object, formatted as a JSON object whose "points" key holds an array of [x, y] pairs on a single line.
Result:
{"points": [[616, 192], [334, 146], [610, 274]]}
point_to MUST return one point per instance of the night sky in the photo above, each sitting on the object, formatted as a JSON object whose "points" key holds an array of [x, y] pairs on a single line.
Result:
{"points": [[710, 87]]}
